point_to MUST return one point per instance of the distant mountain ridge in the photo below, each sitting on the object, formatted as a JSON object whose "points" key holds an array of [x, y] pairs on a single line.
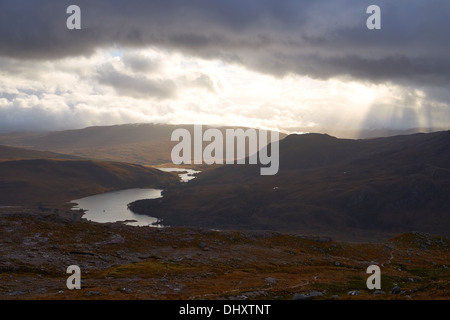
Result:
{"points": [[365, 133], [148, 144]]}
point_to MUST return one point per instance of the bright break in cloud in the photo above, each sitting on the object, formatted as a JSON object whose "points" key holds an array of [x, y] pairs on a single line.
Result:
{"points": [[285, 65]]}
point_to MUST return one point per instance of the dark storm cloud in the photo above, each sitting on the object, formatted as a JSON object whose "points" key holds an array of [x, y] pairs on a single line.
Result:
{"points": [[322, 39]]}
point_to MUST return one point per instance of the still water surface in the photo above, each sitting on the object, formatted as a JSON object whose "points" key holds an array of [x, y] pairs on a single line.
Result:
{"points": [[185, 174], [113, 206]]}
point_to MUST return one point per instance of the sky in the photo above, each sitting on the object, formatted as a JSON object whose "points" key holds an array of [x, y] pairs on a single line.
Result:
{"points": [[291, 65]]}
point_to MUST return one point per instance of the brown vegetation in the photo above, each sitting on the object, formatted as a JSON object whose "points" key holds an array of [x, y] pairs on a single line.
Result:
{"points": [[124, 262]]}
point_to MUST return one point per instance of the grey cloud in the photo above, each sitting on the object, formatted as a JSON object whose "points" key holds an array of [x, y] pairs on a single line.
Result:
{"points": [[137, 86], [203, 81], [25, 115], [19, 68], [140, 63], [322, 39]]}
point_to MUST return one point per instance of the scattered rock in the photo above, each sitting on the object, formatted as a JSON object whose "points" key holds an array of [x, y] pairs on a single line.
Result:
{"points": [[270, 280], [254, 294], [115, 239], [354, 293], [202, 245], [337, 263], [314, 293], [92, 293], [334, 296], [16, 293], [311, 294], [300, 296], [379, 292], [396, 290]]}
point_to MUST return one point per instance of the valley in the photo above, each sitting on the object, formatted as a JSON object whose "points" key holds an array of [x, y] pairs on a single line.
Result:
{"points": [[335, 207]]}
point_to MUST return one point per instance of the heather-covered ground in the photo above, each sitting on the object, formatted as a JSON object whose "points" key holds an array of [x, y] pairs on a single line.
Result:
{"points": [[125, 262]]}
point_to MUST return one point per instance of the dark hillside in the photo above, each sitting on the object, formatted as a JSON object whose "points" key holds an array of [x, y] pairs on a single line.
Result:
{"points": [[325, 185]]}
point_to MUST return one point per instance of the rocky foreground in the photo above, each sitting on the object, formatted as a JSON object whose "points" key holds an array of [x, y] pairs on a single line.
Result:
{"points": [[124, 262]]}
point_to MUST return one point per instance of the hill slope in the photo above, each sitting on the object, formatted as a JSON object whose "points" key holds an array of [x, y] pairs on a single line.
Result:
{"points": [[12, 153], [27, 182], [341, 188]]}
